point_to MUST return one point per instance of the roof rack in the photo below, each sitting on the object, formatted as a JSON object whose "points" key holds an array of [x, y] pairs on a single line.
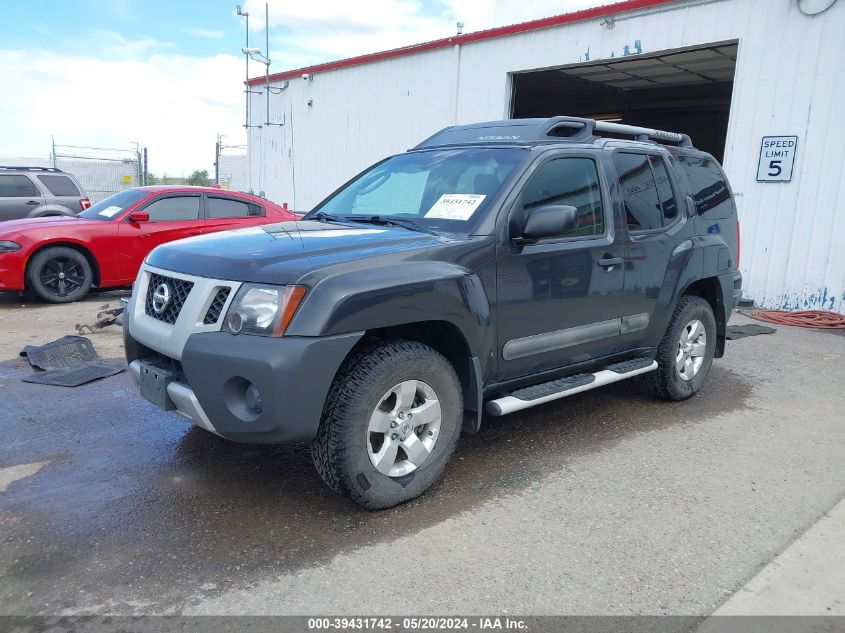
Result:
{"points": [[553, 129], [643, 133], [29, 168], [582, 128]]}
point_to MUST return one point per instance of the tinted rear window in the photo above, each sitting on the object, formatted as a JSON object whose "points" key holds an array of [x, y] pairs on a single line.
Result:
{"points": [[643, 209], [230, 208], [59, 185], [17, 187], [707, 185]]}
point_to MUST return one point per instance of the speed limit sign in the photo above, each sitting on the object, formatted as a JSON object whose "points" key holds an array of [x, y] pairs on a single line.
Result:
{"points": [[777, 157]]}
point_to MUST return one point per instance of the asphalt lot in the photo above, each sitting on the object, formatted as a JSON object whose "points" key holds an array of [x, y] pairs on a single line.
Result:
{"points": [[608, 502]]}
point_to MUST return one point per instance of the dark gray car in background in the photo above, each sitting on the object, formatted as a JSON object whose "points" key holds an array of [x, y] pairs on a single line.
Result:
{"points": [[32, 192]]}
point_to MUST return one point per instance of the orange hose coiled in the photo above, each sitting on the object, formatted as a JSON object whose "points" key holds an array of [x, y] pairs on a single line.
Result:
{"points": [[802, 318]]}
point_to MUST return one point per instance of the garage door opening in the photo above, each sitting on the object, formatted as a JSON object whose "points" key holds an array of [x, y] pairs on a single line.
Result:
{"points": [[685, 91]]}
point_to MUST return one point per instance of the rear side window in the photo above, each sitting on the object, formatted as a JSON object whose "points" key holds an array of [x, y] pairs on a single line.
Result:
{"points": [[219, 207], [17, 187], [568, 181], [643, 210], [664, 190], [59, 185], [174, 209], [707, 185]]}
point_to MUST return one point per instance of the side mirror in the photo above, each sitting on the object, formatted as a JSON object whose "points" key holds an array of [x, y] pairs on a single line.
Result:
{"points": [[549, 220], [139, 216]]}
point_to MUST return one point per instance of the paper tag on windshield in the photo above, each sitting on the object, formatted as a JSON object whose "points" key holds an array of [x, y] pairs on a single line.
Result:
{"points": [[110, 212], [455, 206]]}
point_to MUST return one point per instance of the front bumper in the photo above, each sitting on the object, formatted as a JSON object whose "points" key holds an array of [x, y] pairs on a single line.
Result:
{"points": [[292, 374], [12, 270]]}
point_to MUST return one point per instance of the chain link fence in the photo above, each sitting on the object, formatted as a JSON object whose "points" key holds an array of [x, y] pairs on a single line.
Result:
{"points": [[101, 171], [231, 167]]}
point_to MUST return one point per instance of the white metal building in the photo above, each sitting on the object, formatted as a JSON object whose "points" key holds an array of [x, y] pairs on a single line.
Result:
{"points": [[730, 73]]}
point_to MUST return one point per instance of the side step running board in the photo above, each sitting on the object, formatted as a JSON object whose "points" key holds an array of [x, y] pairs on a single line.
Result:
{"points": [[562, 387]]}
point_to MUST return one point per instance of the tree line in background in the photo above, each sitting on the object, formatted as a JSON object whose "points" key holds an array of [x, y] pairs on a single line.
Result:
{"points": [[198, 177]]}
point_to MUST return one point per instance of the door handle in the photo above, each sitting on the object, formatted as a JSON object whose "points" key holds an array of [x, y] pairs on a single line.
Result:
{"points": [[32, 203], [609, 262]]}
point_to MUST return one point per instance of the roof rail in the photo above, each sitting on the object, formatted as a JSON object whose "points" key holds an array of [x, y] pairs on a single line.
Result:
{"points": [[547, 130], [29, 168], [643, 133]]}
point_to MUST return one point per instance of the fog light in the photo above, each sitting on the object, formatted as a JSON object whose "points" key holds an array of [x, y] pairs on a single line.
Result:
{"points": [[235, 322], [253, 399]]}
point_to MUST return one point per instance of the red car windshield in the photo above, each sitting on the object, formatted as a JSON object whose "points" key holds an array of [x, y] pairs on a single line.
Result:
{"points": [[114, 205]]}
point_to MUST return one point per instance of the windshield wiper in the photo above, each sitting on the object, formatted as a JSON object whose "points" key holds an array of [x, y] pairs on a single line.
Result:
{"points": [[389, 221], [322, 216]]}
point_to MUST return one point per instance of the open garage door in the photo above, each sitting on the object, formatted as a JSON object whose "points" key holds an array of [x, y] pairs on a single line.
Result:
{"points": [[685, 90]]}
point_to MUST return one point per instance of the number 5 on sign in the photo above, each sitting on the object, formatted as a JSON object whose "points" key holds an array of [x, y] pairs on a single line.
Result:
{"points": [[777, 157]]}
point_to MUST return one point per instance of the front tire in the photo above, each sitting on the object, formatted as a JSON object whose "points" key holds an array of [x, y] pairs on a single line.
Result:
{"points": [[390, 424], [60, 275], [685, 354]]}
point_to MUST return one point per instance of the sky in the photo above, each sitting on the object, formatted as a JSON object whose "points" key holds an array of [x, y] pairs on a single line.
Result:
{"points": [[168, 74]]}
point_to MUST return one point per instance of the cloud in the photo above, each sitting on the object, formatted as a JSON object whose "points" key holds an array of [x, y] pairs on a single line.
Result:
{"points": [[205, 33], [173, 104], [110, 44], [107, 90], [323, 30]]}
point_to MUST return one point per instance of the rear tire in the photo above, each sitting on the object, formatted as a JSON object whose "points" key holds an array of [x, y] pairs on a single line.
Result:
{"points": [[60, 275], [368, 447], [685, 354]]}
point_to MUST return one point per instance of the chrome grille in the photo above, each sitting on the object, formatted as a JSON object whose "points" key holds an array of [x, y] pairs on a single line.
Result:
{"points": [[216, 307], [179, 290]]}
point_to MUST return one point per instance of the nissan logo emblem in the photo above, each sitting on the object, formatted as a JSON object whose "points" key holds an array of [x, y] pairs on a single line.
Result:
{"points": [[161, 298]]}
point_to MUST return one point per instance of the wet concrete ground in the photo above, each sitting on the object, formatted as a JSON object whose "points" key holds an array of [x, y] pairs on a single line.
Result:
{"points": [[605, 502]]}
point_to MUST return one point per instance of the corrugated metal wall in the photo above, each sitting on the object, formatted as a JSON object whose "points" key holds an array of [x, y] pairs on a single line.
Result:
{"points": [[790, 80]]}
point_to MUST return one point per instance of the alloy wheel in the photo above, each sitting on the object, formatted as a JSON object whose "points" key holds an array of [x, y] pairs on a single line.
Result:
{"points": [[62, 276], [404, 428], [692, 348]]}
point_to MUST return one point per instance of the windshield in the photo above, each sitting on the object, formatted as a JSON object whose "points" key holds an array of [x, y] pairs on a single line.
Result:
{"points": [[113, 205], [434, 187]]}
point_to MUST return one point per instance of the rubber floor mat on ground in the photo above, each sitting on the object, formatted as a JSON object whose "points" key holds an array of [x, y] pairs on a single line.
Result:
{"points": [[68, 362], [735, 332], [65, 353], [76, 376]]}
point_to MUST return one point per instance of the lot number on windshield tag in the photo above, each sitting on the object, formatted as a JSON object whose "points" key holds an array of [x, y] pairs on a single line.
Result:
{"points": [[777, 156], [455, 206]]}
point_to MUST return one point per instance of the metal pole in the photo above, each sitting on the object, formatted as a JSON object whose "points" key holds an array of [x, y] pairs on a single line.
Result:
{"points": [[145, 167], [248, 139], [53, 139], [246, 81], [217, 161], [267, 57]]}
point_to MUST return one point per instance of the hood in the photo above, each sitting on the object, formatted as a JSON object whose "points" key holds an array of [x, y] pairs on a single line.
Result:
{"points": [[287, 252], [52, 222]]}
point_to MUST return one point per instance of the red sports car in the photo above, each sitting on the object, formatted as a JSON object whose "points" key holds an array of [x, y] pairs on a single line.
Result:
{"points": [[61, 258]]}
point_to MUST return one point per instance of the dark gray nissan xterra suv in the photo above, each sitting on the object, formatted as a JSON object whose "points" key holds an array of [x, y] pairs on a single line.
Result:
{"points": [[493, 267]]}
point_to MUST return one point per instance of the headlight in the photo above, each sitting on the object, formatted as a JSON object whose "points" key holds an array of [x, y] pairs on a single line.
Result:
{"points": [[9, 247], [263, 310]]}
